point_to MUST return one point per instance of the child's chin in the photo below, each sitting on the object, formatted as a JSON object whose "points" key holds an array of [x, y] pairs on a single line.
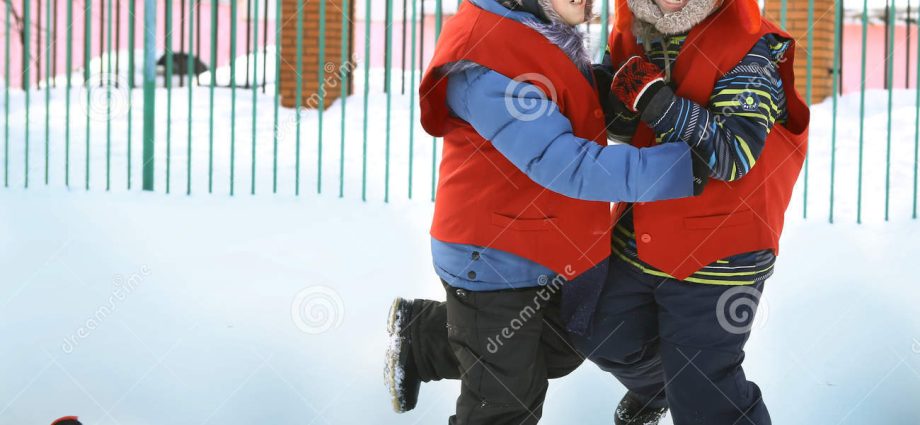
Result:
{"points": [[575, 20], [670, 8]]}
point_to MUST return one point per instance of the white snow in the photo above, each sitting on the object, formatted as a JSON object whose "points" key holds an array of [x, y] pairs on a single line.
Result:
{"points": [[139, 308]]}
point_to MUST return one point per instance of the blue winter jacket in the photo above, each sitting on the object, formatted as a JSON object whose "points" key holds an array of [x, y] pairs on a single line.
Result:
{"points": [[548, 152]]}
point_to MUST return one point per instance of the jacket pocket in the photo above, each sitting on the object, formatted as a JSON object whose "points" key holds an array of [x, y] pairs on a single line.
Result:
{"points": [[738, 218], [523, 224]]}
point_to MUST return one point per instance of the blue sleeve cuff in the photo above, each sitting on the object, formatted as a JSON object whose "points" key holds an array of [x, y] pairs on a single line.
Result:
{"points": [[666, 172]]}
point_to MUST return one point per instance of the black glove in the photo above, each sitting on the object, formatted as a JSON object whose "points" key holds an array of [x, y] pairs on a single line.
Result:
{"points": [[621, 123], [701, 170]]}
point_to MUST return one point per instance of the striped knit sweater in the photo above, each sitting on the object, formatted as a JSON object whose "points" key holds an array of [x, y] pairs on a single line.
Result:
{"points": [[731, 130]]}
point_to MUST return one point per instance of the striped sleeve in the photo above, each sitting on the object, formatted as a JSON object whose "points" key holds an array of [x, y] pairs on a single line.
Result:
{"points": [[745, 104]]}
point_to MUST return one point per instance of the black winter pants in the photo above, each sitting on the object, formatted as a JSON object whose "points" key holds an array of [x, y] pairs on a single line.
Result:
{"points": [[502, 345]]}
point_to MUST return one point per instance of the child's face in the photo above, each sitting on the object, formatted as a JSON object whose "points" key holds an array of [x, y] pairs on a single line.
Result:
{"points": [[671, 6], [571, 11]]}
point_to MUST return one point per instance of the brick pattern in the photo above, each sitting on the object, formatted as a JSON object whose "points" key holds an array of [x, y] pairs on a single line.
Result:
{"points": [[312, 75], [824, 32]]}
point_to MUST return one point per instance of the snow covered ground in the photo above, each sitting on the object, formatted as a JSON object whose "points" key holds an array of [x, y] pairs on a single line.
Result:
{"points": [[132, 308], [141, 309]]}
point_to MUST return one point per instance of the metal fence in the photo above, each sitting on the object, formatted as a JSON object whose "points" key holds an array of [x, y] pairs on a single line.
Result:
{"points": [[65, 69]]}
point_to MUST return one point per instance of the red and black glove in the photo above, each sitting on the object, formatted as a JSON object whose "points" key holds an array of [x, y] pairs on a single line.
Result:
{"points": [[636, 83]]}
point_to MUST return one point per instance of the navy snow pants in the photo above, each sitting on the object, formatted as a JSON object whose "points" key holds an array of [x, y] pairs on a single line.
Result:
{"points": [[677, 344]]}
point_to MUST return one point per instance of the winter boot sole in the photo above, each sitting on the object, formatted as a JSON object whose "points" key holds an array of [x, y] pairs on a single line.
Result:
{"points": [[403, 393]]}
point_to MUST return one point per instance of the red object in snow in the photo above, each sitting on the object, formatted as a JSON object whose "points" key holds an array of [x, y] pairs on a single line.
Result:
{"points": [[66, 420]]}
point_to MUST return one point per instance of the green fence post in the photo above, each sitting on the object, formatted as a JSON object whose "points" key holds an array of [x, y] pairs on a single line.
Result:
{"points": [[809, 60], [367, 85], [150, 59], [255, 88], [169, 78], [233, 23], [862, 109], [389, 61], [343, 75], [190, 72], [298, 93], [837, 68], [277, 95], [67, 100], [48, 79], [890, 74], [101, 42], [38, 44], [605, 28], [438, 16], [783, 7], [132, 29], [412, 100], [26, 78], [211, 97], [131, 82], [321, 108], [108, 101], [87, 84], [916, 129], [6, 97]]}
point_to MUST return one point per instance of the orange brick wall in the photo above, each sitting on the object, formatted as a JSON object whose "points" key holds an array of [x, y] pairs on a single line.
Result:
{"points": [[311, 68], [823, 50]]}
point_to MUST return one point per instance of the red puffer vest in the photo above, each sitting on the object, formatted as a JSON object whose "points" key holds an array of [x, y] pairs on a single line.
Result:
{"points": [[681, 236], [482, 198]]}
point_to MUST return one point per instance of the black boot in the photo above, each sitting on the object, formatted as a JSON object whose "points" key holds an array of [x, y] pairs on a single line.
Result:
{"points": [[633, 412], [401, 374]]}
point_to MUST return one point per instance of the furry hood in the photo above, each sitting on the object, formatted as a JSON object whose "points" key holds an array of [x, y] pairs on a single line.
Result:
{"points": [[651, 21], [569, 38]]}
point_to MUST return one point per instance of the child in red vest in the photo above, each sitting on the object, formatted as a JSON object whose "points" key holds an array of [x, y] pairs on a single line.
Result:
{"points": [[523, 204], [686, 275]]}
